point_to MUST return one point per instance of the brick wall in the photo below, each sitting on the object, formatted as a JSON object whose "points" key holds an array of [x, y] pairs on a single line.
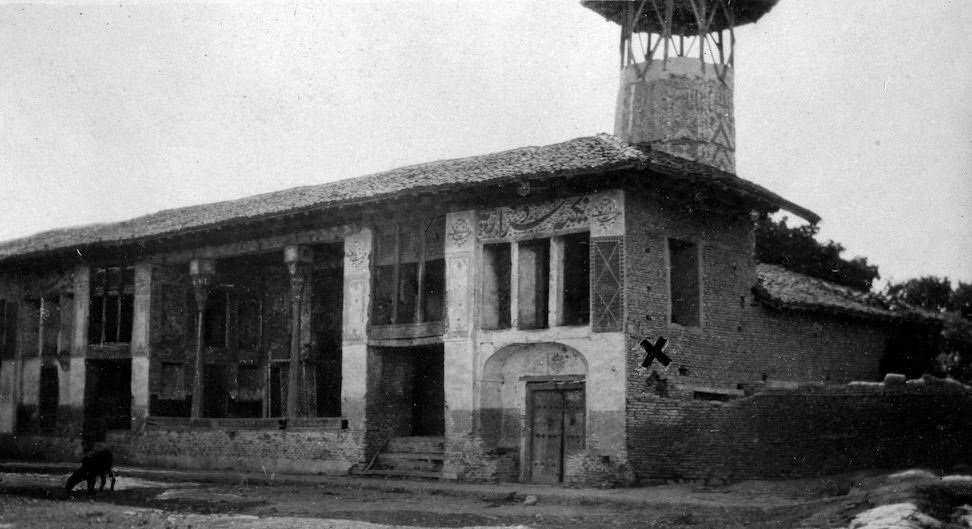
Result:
{"points": [[808, 431], [739, 345], [739, 341], [471, 461], [255, 450]]}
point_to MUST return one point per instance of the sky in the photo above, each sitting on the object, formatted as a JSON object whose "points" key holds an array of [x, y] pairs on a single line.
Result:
{"points": [[859, 110]]}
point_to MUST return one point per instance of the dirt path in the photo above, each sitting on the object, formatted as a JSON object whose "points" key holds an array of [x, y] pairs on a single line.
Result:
{"points": [[36, 500]]}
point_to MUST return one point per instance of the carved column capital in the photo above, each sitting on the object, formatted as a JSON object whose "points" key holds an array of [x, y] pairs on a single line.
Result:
{"points": [[201, 272], [299, 260]]}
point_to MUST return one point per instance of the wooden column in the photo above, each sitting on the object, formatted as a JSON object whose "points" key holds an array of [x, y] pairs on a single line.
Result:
{"points": [[202, 272], [298, 259]]}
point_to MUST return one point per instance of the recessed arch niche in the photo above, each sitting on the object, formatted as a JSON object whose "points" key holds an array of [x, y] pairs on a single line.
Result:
{"points": [[505, 375]]}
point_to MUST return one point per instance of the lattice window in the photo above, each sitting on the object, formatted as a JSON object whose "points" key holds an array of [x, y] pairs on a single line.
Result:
{"points": [[607, 284]]}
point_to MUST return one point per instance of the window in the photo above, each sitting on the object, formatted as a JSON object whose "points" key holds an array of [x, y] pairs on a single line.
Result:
{"points": [[31, 327], [173, 381], [710, 396], [249, 313], [409, 273], [683, 281], [214, 318], [8, 329], [533, 285], [42, 326], [248, 383], [577, 280], [553, 279], [112, 305], [496, 286], [50, 325], [176, 308]]}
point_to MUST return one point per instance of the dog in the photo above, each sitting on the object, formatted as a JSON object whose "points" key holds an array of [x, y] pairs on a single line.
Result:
{"points": [[94, 465]]}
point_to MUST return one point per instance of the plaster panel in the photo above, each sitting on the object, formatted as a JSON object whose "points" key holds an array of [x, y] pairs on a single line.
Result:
{"points": [[140, 381], [354, 383], [459, 289], [459, 377], [82, 298], [459, 252], [141, 336], [357, 286], [143, 305], [607, 214], [63, 382], [30, 381], [77, 373]]}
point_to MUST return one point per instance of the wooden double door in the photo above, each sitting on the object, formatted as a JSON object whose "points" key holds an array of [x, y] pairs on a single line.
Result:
{"points": [[557, 425]]}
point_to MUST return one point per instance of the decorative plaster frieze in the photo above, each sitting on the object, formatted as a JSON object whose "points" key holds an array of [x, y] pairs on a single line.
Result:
{"points": [[357, 256], [459, 232], [602, 213]]}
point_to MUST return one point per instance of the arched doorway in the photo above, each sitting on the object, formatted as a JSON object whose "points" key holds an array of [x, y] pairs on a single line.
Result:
{"points": [[533, 398]]}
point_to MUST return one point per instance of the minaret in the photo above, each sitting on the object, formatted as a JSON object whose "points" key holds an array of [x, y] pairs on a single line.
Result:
{"points": [[676, 74]]}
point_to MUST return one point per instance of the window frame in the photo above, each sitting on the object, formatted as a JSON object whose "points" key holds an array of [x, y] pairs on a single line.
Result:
{"points": [[420, 317], [9, 327], [555, 287], [125, 309], [695, 249]]}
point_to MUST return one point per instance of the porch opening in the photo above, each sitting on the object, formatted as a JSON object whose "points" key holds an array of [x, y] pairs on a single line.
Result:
{"points": [[107, 399], [48, 398], [410, 391]]}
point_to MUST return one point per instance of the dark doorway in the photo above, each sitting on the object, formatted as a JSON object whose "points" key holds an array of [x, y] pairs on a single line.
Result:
{"points": [[428, 392], [49, 397], [107, 398], [410, 394], [326, 312], [215, 394], [557, 418], [277, 389]]}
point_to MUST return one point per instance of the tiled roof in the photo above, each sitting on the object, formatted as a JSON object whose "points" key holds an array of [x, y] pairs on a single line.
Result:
{"points": [[579, 156], [781, 288]]}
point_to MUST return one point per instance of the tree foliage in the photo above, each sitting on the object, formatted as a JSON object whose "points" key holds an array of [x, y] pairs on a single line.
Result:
{"points": [[933, 293], [797, 249], [955, 341]]}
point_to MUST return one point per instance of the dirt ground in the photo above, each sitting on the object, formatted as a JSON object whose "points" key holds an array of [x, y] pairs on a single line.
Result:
{"points": [[32, 500]]}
